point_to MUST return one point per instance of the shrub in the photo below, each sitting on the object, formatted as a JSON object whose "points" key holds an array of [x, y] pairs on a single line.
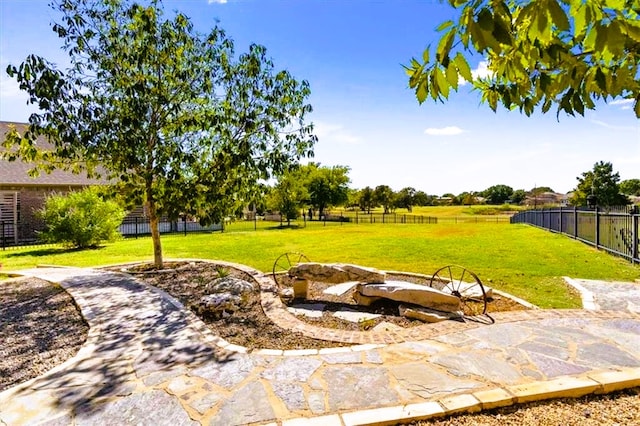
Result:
{"points": [[80, 219]]}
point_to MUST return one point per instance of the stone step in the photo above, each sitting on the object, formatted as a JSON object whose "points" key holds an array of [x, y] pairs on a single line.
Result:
{"points": [[426, 314], [402, 291]]}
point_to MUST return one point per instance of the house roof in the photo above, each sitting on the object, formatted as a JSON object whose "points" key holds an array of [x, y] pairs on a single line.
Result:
{"points": [[17, 172]]}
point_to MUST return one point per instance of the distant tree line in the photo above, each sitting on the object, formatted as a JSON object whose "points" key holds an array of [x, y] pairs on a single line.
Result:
{"points": [[313, 189]]}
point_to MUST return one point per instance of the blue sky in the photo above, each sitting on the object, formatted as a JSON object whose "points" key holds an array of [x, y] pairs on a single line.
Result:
{"points": [[366, 117]]}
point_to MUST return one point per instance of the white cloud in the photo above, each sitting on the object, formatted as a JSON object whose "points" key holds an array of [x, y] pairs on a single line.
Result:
{"points": [[624, 104], [217, 1], [613, 127], [444, 131], [334, 132], [481, 71]]}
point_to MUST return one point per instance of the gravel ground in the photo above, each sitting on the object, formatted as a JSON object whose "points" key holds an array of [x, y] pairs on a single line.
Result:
{"points": [[40, 327], [30, 345], [616, 409]]}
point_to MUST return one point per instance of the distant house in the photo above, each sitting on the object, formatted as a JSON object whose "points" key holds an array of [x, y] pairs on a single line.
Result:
{"points": [[546, 199], [22, 195]]}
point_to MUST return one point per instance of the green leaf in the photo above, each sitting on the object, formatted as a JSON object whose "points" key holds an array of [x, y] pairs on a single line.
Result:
{"points": [[463, 67], [422, 90], [485, 19], [558, 16], [632, 29], [452, 75], [425, 56], [444, 25], [443, 84], [444, 46], [477, 37], [636, 106], [578, 12], [577, 104], [501, 33]]}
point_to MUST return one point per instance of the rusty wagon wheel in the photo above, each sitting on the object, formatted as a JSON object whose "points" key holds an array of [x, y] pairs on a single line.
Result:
{"points": [[283, 263], [451, 279]]}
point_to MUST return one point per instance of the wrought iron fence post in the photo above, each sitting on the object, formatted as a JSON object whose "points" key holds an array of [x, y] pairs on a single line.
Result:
{"points": [[184, 220], [634, 236], [597, 241], [575, 222], [136, 222]]}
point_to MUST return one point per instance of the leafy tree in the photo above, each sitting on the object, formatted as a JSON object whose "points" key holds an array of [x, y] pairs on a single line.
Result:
{"points": [[498, 194], [367, 199], [518, 196], [601, 182], [183, 125], [384, 196], [80, 219], [404, 198], [542, 53], [467, 198], [353, 198], [630, 187], [288, 196], [540, 190], [327, 186], [422, 199]]}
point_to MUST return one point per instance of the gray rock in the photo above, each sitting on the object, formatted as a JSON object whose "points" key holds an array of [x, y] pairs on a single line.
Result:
{"points": [[336, 273], [417, 294], [218, 304], [358, 387], [427, 382], [232, 285], [151, 408], [427, 315], [250, 404]]}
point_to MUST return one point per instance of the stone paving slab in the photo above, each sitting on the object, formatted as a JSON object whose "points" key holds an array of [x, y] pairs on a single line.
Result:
{"points": [[149, 361]]}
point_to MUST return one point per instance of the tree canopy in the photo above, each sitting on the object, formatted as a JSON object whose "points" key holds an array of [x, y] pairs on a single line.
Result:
{"points": [[540, 53], [327, 186], [179, 121], [498, 194], [630, 187], [601, 182], [383, 195]]}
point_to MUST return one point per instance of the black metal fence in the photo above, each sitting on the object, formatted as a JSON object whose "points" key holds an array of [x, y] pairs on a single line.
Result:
{"points": [[139, 226], [614, 230], [131, 227]]}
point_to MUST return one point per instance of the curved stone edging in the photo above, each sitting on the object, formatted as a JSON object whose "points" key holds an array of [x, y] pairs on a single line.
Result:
{"points": [[275, 309]]}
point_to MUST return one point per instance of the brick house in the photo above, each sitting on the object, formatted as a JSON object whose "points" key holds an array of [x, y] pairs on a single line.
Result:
{"points": [[21, 195]]}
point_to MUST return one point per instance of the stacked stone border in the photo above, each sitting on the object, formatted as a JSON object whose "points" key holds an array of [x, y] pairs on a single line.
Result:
{"points": [[601, 382]]}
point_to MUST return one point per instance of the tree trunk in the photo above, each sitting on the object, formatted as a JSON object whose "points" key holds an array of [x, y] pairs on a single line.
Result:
{"points": [[155, 235]]}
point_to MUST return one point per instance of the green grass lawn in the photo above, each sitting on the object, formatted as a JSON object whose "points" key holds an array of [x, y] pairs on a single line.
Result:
{"points": [[520, 259]]}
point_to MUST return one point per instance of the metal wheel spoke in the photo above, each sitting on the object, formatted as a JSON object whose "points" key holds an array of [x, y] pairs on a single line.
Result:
{"points": [[472, 296], [283, 264]]}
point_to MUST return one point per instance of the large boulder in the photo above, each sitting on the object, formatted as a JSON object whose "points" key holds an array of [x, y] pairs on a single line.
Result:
{"points": [[416, 294], [231, 285], [218, 305], [336, 273]]}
